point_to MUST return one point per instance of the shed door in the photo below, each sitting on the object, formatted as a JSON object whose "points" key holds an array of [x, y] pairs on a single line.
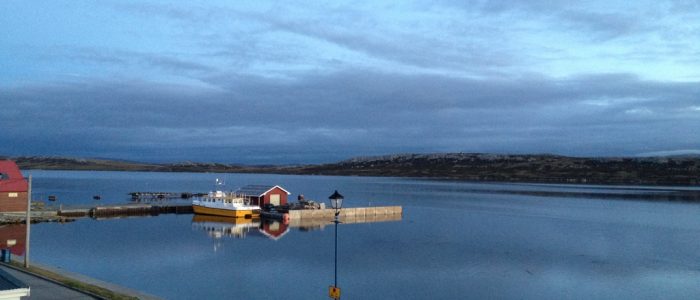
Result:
{"points": [[275, 199]]}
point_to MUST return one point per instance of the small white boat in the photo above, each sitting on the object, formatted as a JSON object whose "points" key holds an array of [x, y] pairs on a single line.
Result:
{"points": [[219, 203]]}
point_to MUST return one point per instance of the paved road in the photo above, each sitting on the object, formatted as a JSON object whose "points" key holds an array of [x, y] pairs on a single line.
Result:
{"points": [[41, 289]]}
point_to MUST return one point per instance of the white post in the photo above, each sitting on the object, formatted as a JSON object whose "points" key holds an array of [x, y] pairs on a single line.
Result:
{"points": [[29, 209]]}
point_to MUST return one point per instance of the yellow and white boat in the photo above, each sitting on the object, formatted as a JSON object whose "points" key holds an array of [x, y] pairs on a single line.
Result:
{"points": [[220, 203]]}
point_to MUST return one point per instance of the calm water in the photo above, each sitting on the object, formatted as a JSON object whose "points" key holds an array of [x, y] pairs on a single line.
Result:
{"points": [[456, 240]]}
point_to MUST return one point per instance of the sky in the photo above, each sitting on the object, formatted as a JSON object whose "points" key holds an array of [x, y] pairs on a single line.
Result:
{"points": [[258, 82]]}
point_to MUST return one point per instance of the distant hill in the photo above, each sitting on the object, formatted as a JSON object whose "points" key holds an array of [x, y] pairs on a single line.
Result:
{"points": [[675, 170], [684, 170], [64, 163]]}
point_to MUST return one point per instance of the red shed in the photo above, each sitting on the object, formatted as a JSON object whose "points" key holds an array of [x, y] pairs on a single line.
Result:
{"points": [[265, 194], [13, 188]]}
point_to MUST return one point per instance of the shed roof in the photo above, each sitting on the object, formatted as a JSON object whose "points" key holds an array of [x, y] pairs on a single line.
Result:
{"points": [[259, 190], [11, 179]]}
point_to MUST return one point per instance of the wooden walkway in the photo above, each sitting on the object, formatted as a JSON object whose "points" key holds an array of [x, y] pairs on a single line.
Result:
{"points": [[125, 210]]}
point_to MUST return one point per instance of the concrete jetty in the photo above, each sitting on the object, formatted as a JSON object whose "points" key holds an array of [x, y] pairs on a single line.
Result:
{"points": [[349, 215], [346, 213], [309, 223]]}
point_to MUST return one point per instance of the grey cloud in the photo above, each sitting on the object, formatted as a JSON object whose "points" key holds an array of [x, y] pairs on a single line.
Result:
{"points": [[592, 23], [333, 116], [351, 29], [460, 47], [165, 62], [167, 11], [605, 26]]}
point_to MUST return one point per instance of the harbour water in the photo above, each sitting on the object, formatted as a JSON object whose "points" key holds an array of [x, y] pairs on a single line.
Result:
{"points": [[455, 240]]}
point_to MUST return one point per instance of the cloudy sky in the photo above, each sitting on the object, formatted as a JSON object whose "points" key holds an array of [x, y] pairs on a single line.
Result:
{"points": [[306, 82]]}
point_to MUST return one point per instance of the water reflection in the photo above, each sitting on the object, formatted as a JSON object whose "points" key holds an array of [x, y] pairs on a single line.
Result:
{"points": [[218, 227], [273, 229]]}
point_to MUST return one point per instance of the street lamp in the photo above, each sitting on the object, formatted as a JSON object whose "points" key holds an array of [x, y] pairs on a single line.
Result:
{"points": [[336, 201], [337, 204]]}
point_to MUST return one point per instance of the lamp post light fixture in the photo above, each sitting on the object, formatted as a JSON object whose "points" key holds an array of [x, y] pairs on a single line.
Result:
{"points": [[337, 204], [336, 201]]}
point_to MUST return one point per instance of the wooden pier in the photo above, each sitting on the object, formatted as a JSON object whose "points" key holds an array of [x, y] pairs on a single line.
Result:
{"points": [[125, 210], [152, 196]]}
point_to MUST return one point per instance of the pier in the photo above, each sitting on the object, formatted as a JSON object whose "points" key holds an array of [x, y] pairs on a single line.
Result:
{"points": [[348, 215], [299, 216], [307, 221], [151, 196], [125, 210]]}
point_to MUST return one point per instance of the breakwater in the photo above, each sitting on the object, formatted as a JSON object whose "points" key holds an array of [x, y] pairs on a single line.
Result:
{"points": [[346, 213], [303, 219]]}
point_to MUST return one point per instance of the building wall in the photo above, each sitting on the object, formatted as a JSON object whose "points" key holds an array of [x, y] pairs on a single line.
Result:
{"points": [[254, 200], [8, 203], [16, 233], [275, 191]]}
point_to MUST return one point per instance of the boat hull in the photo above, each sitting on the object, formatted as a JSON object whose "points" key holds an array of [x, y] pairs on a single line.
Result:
{"points": [[235, 213]]}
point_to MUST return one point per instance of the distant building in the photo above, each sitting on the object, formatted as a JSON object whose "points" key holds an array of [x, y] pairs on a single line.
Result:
{"points": [[265, 194], [13, 188]]}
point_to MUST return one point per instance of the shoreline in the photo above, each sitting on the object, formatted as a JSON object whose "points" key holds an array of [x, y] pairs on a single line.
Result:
{"points": [[79, 282], [470, 167]]}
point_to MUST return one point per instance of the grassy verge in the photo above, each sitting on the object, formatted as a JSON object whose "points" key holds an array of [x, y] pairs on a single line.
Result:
{"points": [[75, 284]]}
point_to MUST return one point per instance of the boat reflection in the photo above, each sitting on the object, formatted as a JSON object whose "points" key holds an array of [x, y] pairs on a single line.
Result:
{"points": [[218, 227]]}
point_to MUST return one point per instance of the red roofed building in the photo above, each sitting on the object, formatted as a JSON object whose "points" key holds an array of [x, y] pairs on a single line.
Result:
{"points": [[264, 194], [13, 188]]}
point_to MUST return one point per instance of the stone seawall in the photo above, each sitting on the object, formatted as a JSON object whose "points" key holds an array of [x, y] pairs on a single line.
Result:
{"points": [[347, 213]]}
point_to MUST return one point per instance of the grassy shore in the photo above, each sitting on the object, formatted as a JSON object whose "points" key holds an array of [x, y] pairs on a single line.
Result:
{"points": [[73, 283]]}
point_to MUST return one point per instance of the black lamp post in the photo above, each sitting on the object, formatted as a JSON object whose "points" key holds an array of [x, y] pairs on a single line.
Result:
{"points": [[337, 204]]}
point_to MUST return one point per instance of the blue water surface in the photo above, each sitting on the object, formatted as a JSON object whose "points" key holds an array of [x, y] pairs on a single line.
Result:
{"points": [[456, 240]]}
